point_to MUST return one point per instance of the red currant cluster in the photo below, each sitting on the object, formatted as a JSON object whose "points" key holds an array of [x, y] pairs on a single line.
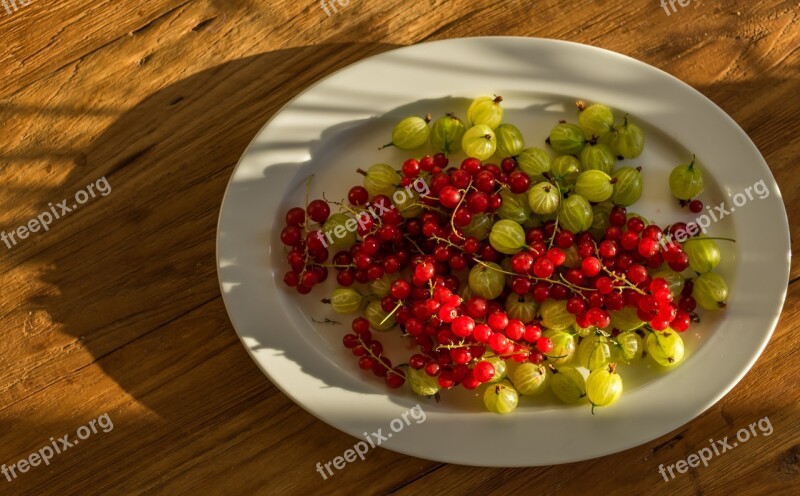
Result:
{"points": [[307, 252], [594, 275], [614, 270], [370, 354]]}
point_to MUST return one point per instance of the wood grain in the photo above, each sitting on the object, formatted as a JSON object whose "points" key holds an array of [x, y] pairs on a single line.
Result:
{"points": [[103, 313]]}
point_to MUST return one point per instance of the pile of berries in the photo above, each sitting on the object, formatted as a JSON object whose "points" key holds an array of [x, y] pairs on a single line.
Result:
{"points": [[511, 270], [452, 333]]}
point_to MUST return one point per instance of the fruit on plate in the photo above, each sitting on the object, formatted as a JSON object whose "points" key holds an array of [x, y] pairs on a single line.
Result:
{"points": [[516, 270]]}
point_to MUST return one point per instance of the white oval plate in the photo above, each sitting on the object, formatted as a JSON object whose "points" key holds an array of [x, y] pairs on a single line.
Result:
{"points": [[337, 125]]}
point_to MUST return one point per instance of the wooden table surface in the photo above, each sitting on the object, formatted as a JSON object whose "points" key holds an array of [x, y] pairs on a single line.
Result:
{"points": [[116, 309]]}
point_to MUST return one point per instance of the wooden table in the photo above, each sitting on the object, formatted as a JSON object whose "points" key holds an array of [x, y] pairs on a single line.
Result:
{"points": [[103, 313]]}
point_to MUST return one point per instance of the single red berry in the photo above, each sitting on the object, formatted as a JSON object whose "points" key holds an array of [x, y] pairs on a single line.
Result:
{"points": [[629, 240], [485, 181], [498, 342], [532, 333], [291, 236], [614, 301], [358, 196], [471, 165], [681, 321], [346, 277], [477, 202], [659, 325], [361, 327], [515, 329], [585, 249], [449, 196], [695, 206], [476, 307], [564, 239], [680, 262], [637, 274], [544, 345], [462, 326], [608, 249], [659, 284], [411, 167], [318, 210], [618, 216], [395, 379], [576, 305], [543, 268], [557, 256], [447, 313], [687, 304], [518, 182], [541, 291], [604, 285], [462, 217], [417, 361], [460, 178], [295, 217], [508, 165], [426, 163], [440, 160], [648, 247], [495, 201], [522, 262], [613, 233], [291, 278], [460, 355], [483, 371], [498, 321], [635, 224], [482, 333], [350, 340], [653, 231], [591, 266], [558, 292]]}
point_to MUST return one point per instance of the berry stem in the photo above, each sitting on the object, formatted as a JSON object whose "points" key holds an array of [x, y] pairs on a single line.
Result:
{"points": [[555, 226], [377, 357], [701, 239], [335, 266], [461, 344], [453, 215], [623, 279], [419, 250], [306, 254], [396, 307]]}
